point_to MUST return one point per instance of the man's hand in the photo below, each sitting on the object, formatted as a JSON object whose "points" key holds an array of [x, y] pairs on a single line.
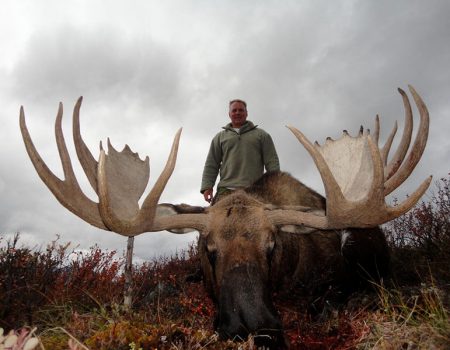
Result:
{"points": [[208, 194]]}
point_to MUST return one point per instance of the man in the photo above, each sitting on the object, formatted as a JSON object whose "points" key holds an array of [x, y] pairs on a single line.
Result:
{"points": [[239, 153]]}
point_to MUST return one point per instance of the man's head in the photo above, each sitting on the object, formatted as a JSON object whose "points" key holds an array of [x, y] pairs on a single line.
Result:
{"points": [[237, 113]]}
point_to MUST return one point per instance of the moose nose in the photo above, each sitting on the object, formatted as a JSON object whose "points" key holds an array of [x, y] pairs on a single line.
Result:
{"points": [[245, 308]]}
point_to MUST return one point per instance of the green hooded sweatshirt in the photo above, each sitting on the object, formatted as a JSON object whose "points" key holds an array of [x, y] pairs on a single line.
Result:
{"points": [[239, 157]]}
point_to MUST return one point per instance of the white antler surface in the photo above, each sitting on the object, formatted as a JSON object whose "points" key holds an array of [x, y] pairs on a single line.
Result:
{"points": [[348, 159]]}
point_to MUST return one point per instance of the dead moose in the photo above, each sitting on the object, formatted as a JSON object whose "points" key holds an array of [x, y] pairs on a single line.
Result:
{"points": [[276, 234]]}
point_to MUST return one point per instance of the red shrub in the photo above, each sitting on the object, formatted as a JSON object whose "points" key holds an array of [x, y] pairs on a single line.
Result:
{"points": [[420, 239]]}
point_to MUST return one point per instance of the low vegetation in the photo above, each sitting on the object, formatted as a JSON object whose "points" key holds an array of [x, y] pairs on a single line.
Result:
{"points": [[75, 299]]}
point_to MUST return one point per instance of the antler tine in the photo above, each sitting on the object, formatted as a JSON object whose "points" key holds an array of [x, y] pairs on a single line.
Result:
{"points": [[87, 161], [417, 149], [160, 184], [408, 203], [147, 216], [376, 133], [387, 146], [148, 210], [402, 149], [67, 192]]}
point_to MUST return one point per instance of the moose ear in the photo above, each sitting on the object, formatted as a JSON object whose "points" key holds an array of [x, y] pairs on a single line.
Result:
{"points": [[166, 209]]}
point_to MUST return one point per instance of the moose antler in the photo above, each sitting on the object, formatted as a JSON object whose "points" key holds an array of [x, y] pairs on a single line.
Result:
{"points": [[355, 172], [357, 177], [118, 178]]}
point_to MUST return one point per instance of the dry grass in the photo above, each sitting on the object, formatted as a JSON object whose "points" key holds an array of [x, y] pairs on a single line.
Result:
{"points": [[409, 319]]}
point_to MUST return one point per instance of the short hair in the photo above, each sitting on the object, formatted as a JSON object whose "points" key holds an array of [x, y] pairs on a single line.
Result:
{"points": [[238, 100]]}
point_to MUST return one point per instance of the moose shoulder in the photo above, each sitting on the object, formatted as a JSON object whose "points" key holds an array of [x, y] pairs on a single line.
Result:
{"points": [[276, 233]]}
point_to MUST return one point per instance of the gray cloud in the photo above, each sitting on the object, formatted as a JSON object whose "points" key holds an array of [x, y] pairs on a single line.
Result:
{"points": [[100, 62]]}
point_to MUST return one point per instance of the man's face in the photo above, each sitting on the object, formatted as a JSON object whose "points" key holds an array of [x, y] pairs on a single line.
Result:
{"points": [[238, 114]]}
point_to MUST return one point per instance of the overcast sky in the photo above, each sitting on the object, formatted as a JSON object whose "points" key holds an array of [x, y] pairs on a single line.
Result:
{"points": [[146, 68]]}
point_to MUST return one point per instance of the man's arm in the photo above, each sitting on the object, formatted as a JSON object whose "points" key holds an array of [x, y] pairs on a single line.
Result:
{"points": [[211, 169], [269, 153]]}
